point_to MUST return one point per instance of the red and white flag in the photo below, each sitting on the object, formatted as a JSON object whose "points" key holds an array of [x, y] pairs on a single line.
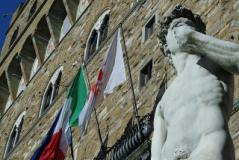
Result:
{"points": [[86, 111], [112, 73]]}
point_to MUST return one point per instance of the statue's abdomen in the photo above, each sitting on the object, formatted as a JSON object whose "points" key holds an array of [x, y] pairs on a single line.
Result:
{"points": [[191, 108]]}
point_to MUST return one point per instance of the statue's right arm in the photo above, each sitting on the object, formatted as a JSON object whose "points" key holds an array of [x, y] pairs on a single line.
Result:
{"points": [[224, 53], [159, 135]]}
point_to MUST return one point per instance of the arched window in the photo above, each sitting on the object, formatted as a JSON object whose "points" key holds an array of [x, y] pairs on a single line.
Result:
{"points": [[15, 78], [15, 134], [59, 20], [29, 59], [104, 29], [92, 43], [14, 36], [5, 98], [97, 35], [32, 10], [52, 90], [66, 26], [43, 39], [47, 97], [22, 86], [56, 86]]}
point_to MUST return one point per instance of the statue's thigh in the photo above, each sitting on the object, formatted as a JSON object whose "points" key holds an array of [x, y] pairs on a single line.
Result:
{"points": [[211, 147]]}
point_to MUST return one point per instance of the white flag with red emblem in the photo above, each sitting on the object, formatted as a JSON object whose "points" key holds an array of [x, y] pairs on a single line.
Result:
{"points": [[118, 74], [112, 74]]}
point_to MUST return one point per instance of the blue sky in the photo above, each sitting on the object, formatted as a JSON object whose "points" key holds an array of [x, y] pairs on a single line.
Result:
{"points": [[7, 8]]}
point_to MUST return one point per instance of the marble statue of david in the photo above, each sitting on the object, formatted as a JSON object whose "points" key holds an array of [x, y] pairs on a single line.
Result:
{"points": [[191, 119]]}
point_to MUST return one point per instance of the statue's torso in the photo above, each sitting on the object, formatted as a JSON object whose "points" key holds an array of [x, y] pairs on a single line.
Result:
{"points": [[191, 109]]}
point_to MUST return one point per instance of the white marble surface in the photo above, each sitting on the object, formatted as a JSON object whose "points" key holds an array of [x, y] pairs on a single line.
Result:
{"points": [[190, 121]]}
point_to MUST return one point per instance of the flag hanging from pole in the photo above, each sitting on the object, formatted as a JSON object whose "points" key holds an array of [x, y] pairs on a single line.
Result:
{"points": [[86, 112], [111, 74], [54, 146], [118, 74], [77, 96], [46, 140]]}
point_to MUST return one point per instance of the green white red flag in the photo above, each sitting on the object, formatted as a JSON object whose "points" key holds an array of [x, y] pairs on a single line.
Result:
{"points": [[76, 97]]}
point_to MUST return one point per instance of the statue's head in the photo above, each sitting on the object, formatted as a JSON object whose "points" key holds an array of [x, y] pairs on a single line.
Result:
{"points": [[179, 16]]}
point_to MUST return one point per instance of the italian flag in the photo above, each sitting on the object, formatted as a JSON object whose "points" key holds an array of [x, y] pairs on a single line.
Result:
{"points": [[54, 145], [77, 96]]}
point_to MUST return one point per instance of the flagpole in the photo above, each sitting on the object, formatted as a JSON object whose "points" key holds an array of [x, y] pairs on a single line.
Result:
{"points": [[96, 118], [72, 150], [135, 109], [98, 126]]}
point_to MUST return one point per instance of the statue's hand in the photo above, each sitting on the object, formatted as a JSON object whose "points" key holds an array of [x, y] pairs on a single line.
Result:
{"points": [[178, 38]]}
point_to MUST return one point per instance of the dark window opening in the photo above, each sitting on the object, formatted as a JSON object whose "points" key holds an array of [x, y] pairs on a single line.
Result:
{"points": [[42, 37], [47, 98], [11, 141], [146, 74], [4, 92], [14, 137], [57, 15], [104, 29], [14, 36], [57, 86], [28, 56], [15, 75], [92, 44], [51, 91], [32, 10], [149, 28], [19, 128]]}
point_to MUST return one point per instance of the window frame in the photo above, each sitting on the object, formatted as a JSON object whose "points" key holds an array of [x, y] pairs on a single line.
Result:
{"points": [[96, 28], [141, 75], [32, 10], [147, 37], [52, 81], [18, 123], [14, 36]]}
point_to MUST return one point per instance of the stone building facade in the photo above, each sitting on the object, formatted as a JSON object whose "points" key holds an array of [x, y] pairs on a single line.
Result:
{"points": [[49, 39]]}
